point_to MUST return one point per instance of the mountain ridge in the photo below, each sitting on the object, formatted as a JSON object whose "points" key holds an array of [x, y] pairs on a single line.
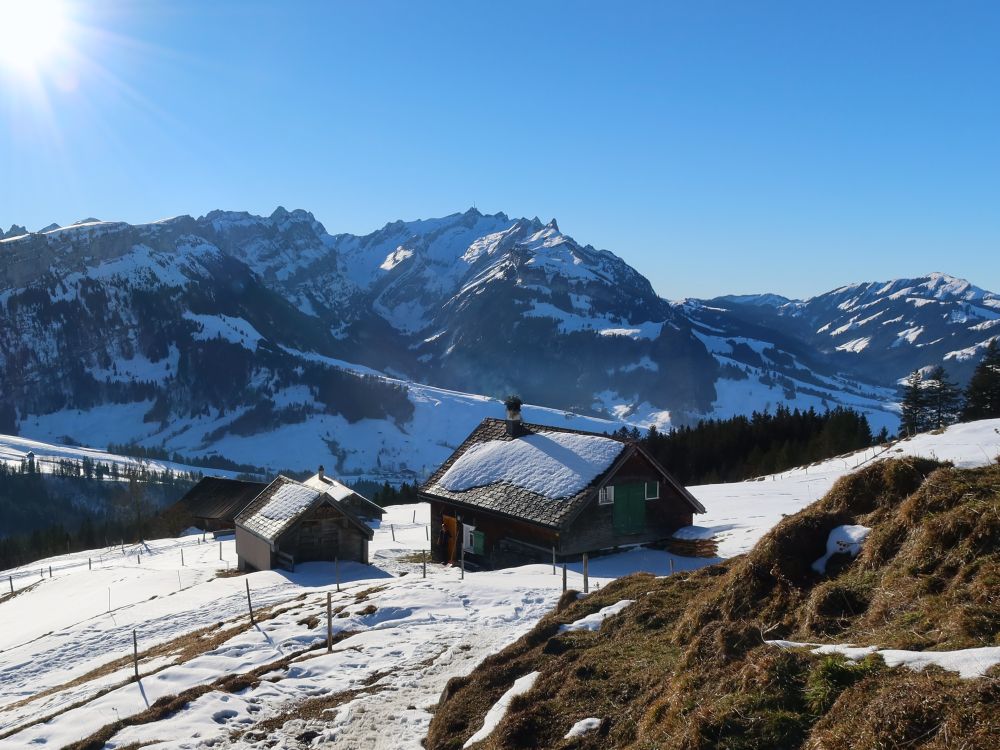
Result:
{"points": [[196, 331]]}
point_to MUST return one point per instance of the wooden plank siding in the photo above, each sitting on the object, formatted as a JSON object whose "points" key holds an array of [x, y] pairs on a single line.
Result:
{"points": [[324, 534]]}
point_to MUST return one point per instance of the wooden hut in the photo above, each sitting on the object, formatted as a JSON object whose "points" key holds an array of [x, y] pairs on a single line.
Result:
{"points": [[290, 523], [214, 502], [514, 493]]}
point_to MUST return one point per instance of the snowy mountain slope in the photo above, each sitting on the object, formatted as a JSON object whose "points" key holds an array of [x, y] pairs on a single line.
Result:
{"points": [[397, 646], [14, 451], [880, 331], [369, 447], [221, 335]]}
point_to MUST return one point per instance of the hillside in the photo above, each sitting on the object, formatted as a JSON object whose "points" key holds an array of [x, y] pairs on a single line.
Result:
{"points": [[212, 679], [896, 647]]}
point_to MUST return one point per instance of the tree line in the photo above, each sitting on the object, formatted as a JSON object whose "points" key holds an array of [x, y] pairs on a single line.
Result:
{"points": [[734, 449], [932, 401]]}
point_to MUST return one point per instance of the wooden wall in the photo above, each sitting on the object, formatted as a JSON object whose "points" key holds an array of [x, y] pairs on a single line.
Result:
{"points": [[324, 534]]}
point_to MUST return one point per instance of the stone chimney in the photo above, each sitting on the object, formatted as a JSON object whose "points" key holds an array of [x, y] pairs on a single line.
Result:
{"points": [[514, 426], [320, 474]]}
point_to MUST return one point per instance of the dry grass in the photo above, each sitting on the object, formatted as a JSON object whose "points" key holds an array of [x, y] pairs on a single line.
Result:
{"points": [[686, 667]]}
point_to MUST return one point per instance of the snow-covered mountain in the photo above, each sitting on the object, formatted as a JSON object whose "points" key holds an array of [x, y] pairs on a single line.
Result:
{"points": [[880, 331], [272, 342]]}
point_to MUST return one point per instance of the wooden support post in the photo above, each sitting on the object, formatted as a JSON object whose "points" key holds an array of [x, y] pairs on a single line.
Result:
{"points": [[425, 565], [392, 529], [135, 655], [564, 578], [336, 572], [329, 623], [462, 561], [586, 575], [249, 603], [553, 561]]}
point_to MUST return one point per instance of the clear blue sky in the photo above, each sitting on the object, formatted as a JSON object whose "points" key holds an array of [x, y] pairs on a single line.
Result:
{"points": [[719, 147]]}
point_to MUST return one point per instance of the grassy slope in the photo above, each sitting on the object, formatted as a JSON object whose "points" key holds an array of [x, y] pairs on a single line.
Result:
{"points": [[686, 665]]}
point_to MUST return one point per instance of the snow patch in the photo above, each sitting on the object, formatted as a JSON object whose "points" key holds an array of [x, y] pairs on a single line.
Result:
{"points": [[499, 709], [968, 662], [582, 727], [593, 621], [842, 539]]}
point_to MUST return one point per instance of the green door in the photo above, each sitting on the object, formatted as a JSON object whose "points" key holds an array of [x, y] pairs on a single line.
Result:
{"points": [[630, 508]]}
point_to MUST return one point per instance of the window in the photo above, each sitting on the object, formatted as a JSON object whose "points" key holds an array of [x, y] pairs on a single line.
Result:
{"points": [[468, 538], [652, 490], [606, 496]]}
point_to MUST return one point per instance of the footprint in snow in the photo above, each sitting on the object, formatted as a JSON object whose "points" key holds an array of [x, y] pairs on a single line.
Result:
{"points": [[221, 717]]}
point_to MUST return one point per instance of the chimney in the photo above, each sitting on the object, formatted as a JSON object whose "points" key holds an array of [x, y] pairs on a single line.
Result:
{"points": [[514, 426], [319, 474]]}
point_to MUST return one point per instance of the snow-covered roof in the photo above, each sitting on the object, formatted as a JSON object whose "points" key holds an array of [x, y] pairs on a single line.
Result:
{"points": [[543, 475], [281, 504], [555, 465]]}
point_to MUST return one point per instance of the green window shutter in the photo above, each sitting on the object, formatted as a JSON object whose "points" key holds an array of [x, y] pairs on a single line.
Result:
{"points": [[478, 543]]}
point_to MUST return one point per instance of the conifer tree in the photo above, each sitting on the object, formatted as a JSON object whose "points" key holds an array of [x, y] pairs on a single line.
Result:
{"points": [[913, 418], [943, 399], [982, 397]]}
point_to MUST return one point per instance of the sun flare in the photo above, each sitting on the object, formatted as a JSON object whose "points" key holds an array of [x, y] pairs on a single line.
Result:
{"points": [[33, 33]]}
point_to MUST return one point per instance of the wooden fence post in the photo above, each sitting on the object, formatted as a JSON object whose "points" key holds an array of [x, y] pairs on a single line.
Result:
{"points": [[50, 571], [182, 557], [10, 579], [425, 566], [586, 575], [671, 566], [135, 655], [138, 559], [392, 529], [90, 564], [249, 603], [329, 623], [564, 578], [414, 516], [553, 561], [462, 559], [427, 532], [336, 572], [220, 550]]}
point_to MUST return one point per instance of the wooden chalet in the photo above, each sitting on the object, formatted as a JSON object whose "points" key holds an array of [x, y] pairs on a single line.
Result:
{"points": [[513, 493], [214, 502], [292, 522]]}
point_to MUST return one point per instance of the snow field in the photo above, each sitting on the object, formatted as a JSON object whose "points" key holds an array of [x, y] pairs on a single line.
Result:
{"points": [[968, 662]]}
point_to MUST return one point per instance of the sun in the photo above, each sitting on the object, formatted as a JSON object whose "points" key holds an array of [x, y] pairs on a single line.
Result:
{"points": [[33, 33]]}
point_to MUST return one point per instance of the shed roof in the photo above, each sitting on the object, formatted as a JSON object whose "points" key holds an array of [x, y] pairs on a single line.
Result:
{"points": [[544, 475], [282, 503], [219, 498], [340, 491]]}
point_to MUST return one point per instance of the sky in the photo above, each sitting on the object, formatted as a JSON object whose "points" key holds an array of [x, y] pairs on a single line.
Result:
{"points": [[718, 147]]}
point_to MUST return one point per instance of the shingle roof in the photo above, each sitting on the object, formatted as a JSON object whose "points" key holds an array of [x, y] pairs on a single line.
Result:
{"points": [[508, 498], [219, 498], [284, 502]]}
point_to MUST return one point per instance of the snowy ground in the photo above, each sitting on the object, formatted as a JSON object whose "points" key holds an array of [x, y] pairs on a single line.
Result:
{"points": [[400, 642]]}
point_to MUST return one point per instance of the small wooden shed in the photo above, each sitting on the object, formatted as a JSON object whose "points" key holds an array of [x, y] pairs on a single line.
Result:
{"points": [[290, 523], [514, 493], [214, 502]]}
